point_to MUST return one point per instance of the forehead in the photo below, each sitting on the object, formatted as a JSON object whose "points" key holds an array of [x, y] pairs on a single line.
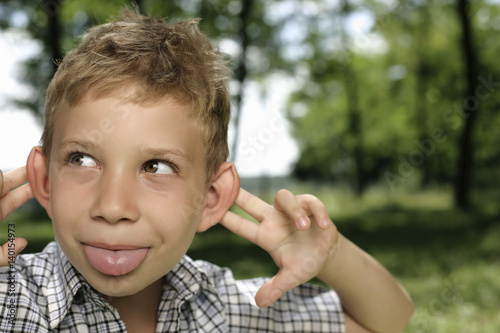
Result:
{"points": [[124, 98], [118, 119]]}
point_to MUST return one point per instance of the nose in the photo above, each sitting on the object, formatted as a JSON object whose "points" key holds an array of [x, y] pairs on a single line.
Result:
{"points": [[116, 199]]}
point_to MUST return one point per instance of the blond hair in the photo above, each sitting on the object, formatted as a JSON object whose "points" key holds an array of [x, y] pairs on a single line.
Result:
{"points": [[156, 58]]}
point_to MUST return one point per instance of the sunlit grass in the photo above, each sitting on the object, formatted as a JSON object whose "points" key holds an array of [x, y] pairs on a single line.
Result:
{"points": [[340, 201], [464, 301]]}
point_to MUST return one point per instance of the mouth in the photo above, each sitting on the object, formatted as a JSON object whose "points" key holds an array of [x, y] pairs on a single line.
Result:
{"points": [[114, 260]]}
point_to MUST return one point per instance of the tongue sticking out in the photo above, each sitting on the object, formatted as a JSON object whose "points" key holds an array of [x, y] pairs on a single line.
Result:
{"points": [[114, 262]]}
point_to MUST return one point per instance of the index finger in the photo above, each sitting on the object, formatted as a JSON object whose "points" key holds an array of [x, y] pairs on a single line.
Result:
{"points": [[12, 179], [253, 205]]}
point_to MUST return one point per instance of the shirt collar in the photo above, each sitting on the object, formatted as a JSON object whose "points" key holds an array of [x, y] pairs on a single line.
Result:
{"points": [[186, 285], [62, 287]]}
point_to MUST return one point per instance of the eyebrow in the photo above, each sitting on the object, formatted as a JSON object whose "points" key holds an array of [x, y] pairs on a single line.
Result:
{"points": [[85, 144], [166, 152]]}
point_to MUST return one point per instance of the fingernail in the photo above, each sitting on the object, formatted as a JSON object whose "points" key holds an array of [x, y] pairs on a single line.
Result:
{"points": [[303, 222], [325, 223]]}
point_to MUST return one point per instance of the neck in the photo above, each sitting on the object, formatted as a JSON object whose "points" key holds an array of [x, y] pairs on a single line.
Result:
{"points": [[139, 311]]}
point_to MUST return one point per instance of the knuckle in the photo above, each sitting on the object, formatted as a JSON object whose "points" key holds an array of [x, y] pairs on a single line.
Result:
{"points": [[313, 199], [308, 198], [281, 197], [282, 193], [298, 211]]}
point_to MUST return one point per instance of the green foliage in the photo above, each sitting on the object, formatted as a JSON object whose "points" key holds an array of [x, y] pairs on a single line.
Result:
{"points": [[409, 87], [383, 91], [220, 20]]}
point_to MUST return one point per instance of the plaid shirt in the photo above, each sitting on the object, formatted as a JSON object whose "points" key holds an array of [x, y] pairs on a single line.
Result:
{"points": [[49, 295]]}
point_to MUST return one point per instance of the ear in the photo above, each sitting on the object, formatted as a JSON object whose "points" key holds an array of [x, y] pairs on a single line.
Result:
{"points": [[221, 194], [38, 177]]}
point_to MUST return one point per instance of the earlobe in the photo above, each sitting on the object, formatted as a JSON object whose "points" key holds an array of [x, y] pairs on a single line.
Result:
{"points": [[38, 177], [221, 194]]}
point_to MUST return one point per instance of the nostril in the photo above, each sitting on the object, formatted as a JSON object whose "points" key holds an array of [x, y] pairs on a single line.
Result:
{"points": [[116, 201]]}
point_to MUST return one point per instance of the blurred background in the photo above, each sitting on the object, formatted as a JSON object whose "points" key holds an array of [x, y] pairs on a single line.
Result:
{"points": [[386, 110]]}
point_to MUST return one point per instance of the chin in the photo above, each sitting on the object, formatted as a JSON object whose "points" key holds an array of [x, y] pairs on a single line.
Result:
{"points": [[116, 286]]}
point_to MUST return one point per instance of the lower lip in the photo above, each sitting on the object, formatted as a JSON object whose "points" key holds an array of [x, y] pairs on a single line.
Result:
{"points": [[114, 262]]}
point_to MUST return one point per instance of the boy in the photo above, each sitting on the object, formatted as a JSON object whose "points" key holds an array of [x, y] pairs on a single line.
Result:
{"points": [[133, 164]]}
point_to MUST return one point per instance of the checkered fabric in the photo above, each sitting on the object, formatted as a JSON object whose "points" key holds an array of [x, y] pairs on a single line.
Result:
{"points": [[49, 295]]}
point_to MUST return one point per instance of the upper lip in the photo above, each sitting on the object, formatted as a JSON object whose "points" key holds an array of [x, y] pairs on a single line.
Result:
{"points": [[114, 247]]}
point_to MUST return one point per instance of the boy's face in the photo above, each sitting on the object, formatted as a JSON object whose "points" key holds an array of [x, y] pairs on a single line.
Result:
{"points": [[127, 189]]}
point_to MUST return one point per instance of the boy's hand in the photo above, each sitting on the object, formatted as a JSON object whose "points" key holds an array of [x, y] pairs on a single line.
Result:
{"points": [[12, 196], [296, 231]]}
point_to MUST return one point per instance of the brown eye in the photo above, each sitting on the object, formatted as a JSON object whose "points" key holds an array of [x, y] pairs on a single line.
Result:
{"points": [[151, 167], [82, 160], [159, 167], [76, 159]]}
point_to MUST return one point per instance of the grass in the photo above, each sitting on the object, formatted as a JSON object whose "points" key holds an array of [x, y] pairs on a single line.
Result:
{"points": [[449, 261]]}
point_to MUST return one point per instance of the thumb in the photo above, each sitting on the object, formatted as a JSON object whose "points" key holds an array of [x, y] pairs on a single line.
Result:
{"points": [[276, 287], [9, 253]]}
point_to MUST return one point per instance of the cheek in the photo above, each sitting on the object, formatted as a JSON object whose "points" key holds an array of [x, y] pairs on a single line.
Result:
{"points": [[68, 203], [175, 213], [62, 202]]}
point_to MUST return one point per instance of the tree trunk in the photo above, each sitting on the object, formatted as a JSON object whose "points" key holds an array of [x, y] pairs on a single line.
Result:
{"points": [[241, 71], [354, 128], [139, 4], [422, 75], [354, 118], [54, 33], [465, 156]]}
